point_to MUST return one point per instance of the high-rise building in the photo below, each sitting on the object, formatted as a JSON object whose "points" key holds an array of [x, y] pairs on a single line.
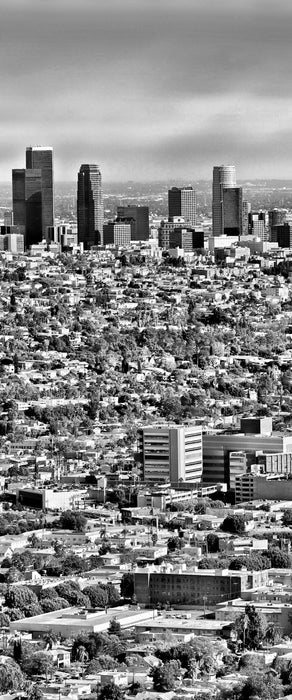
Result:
{"points": [[11, 240], [41, 158], [27, 204], [140, 220], [117, 233], [232, 211], [171, 453], [277, 217], [175, 223], [181, 238], [246, 208], [282, 235], [224, 177], [182, 201], [90, 206]]}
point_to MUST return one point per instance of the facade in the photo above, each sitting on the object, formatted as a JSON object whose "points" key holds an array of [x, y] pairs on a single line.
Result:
{"points": [[246, 208], [176, 223], [139, 217], [197, 587], [11, 240], [224, 177], [277, 217], [253, 487], [39, 158], [181, 238], [232, 211], [72, 621], [282, 235], [171, 454], [117, 233], [90, 206], [27, 204], [182, 201], [221, 453], [49, 499], [198, 239]]}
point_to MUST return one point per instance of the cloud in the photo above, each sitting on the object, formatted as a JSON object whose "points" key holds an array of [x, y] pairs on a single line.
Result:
{"points": [[146, 86]]}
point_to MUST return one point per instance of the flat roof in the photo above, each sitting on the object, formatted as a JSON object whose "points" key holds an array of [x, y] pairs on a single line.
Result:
{"points": [[184, 624], [79, 617]]}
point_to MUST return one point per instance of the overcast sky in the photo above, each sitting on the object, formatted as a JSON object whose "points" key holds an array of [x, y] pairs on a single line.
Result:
{"points": [[148, 89]]}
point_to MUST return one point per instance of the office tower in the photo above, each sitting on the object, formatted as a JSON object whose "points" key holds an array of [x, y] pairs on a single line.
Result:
{"points": [[27, 204], [246, 207], [277, 217], [140, 220], [90, 206], [11, 240], [181, 238], [224, 177], [198, 238], [8, 218], [232, 211], [282, 235], [259, 224], [182, 201], [117, 233], [176, 223], [171, 454], [41, 158]]}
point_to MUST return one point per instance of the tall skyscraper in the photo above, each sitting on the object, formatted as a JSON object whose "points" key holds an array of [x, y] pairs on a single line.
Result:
{"points": [[182, 201], [90, 206], [232, 211], [140, 220], [41, 158], [224, 177], [27, 204]]}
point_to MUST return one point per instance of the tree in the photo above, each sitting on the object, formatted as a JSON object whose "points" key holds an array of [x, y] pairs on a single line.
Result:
{"points": [[114, 627], [110, 691], [287, 517], [11, 677], [175, 543], [212, 543], [71, 520], [34, 693], [250, 627], [127, 585], [4, 620], [265, 686], [38, 664], [20, 597], [234, 523], [165, 675], [102, 663], [98, 596], [51, 604], [70, 591], [278, 559]]}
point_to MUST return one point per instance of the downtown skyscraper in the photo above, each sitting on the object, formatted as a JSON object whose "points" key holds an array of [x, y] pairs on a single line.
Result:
{"points": [[224, 177], [90, 206], [33, 195], [40, 158], [182, 201]]}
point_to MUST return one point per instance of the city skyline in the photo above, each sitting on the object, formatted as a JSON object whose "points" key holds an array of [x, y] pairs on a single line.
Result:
{"points": [[149, 90]]}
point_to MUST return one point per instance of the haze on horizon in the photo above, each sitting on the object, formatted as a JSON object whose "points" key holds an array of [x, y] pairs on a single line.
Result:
{"points": [[148, 89]]}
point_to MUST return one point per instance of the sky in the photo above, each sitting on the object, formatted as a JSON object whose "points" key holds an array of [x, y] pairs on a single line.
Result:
{"points": [[148, 89]]}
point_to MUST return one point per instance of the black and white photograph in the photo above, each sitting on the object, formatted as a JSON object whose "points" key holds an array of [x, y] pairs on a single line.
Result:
{"points": [[145, 350]]}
